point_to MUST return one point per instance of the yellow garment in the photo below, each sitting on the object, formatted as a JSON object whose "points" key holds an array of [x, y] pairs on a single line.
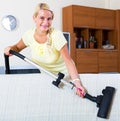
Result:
{"points": [[47, 54]]}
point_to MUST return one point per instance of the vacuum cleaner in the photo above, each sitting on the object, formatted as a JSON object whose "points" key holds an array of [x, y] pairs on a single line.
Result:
{"points": [[103, 101]]}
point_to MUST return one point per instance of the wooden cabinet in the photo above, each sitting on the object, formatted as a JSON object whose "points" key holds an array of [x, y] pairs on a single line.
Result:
{"points": [[98, 25]]}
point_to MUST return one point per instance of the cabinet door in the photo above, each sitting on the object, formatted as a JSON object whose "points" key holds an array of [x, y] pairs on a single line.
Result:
{"points": [[105, 18], [86, 61], [118, 35], [108, 61], [83, 16]]}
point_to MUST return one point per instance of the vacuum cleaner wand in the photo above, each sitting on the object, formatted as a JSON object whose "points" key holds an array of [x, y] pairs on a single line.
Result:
{"points": [[103, 101], [58, 78]]}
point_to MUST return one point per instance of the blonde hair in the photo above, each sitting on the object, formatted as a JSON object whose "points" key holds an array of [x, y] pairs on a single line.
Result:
{"points": [[42, 6]]}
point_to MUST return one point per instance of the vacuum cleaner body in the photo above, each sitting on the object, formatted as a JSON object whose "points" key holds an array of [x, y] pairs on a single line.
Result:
{"points": [[103, 101]]}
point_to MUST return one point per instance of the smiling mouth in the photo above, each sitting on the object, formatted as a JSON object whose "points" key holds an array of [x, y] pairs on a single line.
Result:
{"points": [[44, 26]]}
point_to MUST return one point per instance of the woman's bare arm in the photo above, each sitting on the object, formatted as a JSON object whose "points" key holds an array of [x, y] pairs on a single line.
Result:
{"points": [[73, 71], [17, 47]]}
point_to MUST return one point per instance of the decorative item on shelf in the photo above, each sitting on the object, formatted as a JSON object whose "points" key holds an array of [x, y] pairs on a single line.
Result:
{"points": [[85, 43], [106, 45], [105, 42], [95, 43], [92, 42], [82, 41], [79, 42]]}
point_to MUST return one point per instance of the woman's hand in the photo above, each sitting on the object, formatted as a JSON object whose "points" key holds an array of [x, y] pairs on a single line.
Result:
{"points": [[6, 50], [80, 90]]}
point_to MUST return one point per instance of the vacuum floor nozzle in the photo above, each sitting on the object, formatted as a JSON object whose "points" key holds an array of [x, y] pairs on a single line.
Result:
{"points": [[103, 101]]}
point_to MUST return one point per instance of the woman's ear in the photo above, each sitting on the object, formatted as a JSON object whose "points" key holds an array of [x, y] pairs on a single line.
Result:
{"points": [[34, 18]]}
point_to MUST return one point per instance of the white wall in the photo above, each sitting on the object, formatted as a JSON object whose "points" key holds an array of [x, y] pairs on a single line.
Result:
{"points": [[112, 4], [23, 10]]}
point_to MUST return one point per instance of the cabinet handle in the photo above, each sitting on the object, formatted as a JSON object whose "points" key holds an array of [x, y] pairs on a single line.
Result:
{"points": [[84, 26], [88, 51], [108, 51]]}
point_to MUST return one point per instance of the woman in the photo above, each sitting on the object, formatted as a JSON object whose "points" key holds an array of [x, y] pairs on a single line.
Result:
{"points": [[48, 46]]}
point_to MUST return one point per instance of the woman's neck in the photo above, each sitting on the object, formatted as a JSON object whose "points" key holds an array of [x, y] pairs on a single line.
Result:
{"points": [[41, 33], [40, 36]]}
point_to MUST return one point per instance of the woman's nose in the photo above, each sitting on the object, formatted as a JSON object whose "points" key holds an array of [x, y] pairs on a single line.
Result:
{"points": [[46, 20]]}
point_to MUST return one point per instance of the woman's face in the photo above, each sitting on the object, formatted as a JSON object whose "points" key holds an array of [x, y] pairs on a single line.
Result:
{"points": [[43, 20]]}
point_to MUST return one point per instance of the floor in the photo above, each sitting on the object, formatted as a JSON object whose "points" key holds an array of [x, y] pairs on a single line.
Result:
{"points": [[28, 97]]}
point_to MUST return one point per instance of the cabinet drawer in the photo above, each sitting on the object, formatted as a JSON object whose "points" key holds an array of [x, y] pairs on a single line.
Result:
{"points": [[86, 56], [105, 18], [108, 61], [83, 16], [87, 68], [87, 61]]}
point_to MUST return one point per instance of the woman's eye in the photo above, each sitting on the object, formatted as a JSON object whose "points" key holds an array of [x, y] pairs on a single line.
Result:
{"points": [[42, 18], [49, 19]]}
